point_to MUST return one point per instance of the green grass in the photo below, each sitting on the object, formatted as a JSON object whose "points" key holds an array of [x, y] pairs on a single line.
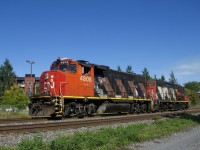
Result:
{"points": [[12, 114], [195, 107], [16, 113], [110, 138]]}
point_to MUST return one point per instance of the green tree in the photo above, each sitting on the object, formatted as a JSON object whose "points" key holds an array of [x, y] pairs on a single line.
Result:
{"points": [[162, 78], [119, 68], [129, 69], [15, 97], [193, 96], [193, 85], [172, 78], [145, 73], [7, 76]]}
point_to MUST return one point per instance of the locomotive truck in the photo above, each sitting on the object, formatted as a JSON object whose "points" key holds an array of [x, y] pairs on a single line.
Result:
{"points": [[78, 88]]}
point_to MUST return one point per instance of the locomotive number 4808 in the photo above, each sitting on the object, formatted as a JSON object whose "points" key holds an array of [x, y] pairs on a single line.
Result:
{"points": [[86, 78]]}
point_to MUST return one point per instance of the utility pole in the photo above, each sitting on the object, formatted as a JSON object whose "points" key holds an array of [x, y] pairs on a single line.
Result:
{"points": [[31, 63]]}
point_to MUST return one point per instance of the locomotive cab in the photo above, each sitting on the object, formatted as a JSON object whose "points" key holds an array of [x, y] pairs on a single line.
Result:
{"points": [[68, 77]]}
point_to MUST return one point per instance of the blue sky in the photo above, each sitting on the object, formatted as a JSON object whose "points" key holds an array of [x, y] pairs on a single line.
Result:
{"points": [[161, 35]]}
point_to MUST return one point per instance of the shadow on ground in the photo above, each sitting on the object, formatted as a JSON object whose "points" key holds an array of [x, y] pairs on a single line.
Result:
{"points": [[192, 117]]}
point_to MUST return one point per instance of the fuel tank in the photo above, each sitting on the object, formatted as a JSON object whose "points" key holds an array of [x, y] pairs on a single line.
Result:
{"points": [[113, 108]]}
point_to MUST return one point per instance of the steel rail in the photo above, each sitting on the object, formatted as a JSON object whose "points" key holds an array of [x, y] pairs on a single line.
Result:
{"points": [[21, 120], [38, 119], [40, 127]]}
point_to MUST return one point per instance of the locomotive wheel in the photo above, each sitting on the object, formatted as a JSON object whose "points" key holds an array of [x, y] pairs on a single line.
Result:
{"points": [[161, 108], [135, 108], [164, 107], [69, 109], [80, 110], [143, 108], [138, 108], [53, 115], [90, 109]]}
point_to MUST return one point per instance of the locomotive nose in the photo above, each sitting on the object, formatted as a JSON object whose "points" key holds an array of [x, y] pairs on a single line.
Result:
{"points": [[50, 82], [47, 83]]}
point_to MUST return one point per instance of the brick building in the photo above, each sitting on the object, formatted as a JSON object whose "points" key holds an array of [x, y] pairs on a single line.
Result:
{"points": [[25, 83]]}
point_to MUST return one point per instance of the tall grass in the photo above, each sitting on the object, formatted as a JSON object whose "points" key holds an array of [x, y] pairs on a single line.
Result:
{"points": [[8, 111], [112, 138]]}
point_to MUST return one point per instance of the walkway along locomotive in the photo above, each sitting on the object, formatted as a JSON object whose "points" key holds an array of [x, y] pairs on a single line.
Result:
{"points": [[73, 87]]}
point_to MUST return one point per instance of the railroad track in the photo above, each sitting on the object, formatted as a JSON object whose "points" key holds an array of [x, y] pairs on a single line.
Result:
{"points": [[21, 120], [66, 124], [40, 119]]}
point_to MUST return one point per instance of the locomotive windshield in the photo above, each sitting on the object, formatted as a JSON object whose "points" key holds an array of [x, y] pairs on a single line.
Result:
{"points": [[70, 67], [54, 66], [63, 66]]}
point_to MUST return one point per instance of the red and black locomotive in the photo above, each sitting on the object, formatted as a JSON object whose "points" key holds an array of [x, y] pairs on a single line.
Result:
{"points": [[77, 87]]}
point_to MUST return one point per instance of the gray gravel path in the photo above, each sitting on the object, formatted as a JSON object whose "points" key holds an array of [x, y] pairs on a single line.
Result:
{"points": [[187, 140]]}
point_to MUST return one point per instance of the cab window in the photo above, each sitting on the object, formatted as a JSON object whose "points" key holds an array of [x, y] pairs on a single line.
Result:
{"points": [[86, 70], [71, 67]]}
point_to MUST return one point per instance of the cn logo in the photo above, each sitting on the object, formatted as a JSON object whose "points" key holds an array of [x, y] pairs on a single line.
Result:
{"points": [[49, 84]]}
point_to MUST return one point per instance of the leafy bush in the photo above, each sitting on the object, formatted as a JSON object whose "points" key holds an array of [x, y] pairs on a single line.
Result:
{"points": [[193, 97], [66, 143], [37, 143], [15, 97]]}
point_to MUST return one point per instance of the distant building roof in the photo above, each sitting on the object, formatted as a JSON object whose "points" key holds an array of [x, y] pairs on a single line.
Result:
{"points": [[29, 75], [20, 78]]}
